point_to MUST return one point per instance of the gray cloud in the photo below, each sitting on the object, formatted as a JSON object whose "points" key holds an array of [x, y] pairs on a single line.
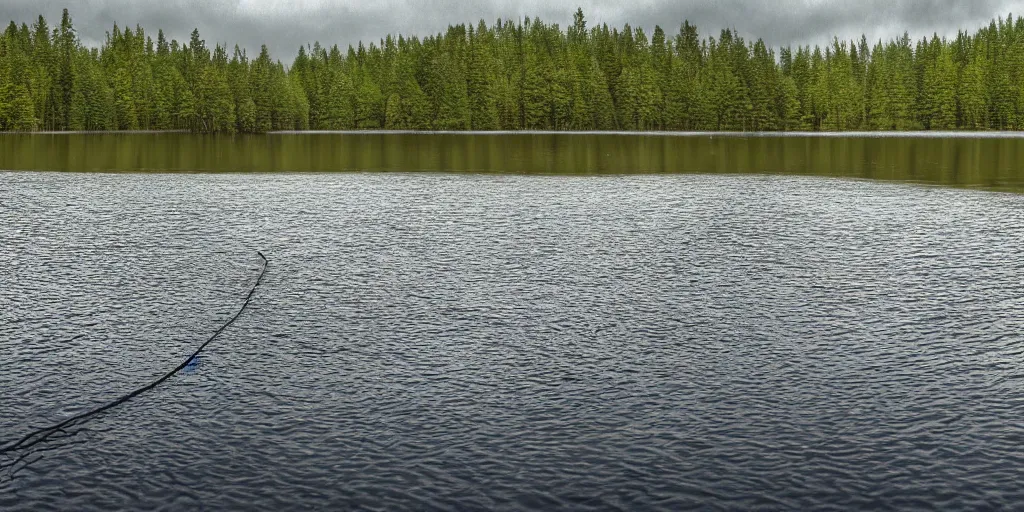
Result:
{"points": [[284, 26]]}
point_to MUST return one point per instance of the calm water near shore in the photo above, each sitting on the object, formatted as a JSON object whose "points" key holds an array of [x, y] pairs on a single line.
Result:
{"points": [[989, 160], [701, 338]]}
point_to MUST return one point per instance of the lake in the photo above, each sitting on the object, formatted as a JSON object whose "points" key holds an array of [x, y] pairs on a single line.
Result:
{"points": [[506, 341], [989, 159]]}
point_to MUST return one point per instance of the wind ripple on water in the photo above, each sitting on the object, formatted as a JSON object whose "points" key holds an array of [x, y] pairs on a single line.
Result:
{"points": [[470, 342]]}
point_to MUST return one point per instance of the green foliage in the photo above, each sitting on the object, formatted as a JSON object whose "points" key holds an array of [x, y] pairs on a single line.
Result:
{"points": [[481, 81], [939, 93], [20, 111], [892, 97], [215, 111], [535, 93], [339, 111], [368, 103], [788, 105], [513, 76], [408, 108], [639, 98], [446, 86]]}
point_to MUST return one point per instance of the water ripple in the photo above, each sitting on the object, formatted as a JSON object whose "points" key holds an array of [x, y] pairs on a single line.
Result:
{"points": [[496, 342]]}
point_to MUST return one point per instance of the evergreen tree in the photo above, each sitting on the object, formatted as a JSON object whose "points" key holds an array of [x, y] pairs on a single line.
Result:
{"points": [[788, 106], [764, 89], [971, 99], [260, 83], [939, 92], [369, 102], [339, 111], [67, 97], [215, 111], [513, 76], [480, 85], [535, 92], [445, 85]]}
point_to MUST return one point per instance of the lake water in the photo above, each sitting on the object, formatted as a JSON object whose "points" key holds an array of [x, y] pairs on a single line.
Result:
{"points": [[471, 341], [988, 160]]}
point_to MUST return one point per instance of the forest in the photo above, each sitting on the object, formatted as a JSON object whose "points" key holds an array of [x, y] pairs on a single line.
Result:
{"points": [[513, 75]]}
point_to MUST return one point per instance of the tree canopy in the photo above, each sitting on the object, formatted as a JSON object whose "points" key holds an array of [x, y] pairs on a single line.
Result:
{"points": [[513, 75]]}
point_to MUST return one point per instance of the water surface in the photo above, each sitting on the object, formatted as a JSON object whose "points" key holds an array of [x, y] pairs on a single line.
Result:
{"points": [[425, 341], [986, 160]]}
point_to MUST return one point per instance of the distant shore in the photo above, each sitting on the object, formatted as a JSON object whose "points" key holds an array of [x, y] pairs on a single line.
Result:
{"points": [[514, 75]]}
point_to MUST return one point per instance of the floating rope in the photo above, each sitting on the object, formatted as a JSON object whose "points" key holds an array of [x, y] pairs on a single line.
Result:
{"points": [[45, 434]]}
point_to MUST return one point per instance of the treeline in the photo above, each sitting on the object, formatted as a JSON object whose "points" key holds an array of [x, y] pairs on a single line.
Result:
{"points": [[513, 76]]}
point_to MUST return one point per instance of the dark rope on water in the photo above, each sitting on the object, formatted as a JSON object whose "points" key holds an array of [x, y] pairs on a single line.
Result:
{"points": [[44, 434]]}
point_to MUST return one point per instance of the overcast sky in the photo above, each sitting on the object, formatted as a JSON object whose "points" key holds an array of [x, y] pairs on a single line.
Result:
{"points": [[285, 25]]}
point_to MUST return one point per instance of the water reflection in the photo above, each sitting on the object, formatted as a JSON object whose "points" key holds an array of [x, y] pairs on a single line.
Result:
{"points": [[991, 161]]}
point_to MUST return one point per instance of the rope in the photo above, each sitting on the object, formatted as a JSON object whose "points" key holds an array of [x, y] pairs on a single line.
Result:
{"points": [[43, 434]]}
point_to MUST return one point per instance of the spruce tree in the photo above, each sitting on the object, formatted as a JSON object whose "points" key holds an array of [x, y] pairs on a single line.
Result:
{"points": [[339, 110], [480, 85], [939, 90], [513, 75]]}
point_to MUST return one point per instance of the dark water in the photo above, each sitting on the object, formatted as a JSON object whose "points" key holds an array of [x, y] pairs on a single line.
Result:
{"points": [[987, 160], [427, 341]]}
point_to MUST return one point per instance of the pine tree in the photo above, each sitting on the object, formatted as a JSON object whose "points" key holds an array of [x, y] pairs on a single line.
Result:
{"points": [[789, 105], [509, 75], [483, 108], [763, 89], [535, 93], [66, 53], [21, 111], [215, 112], [340, 113], [837, 90], [971, 98], [260, 86], [727, 103], [124, 101], [445, 85], [369, 102], [939, 91], [601, 107], [42, 69]]}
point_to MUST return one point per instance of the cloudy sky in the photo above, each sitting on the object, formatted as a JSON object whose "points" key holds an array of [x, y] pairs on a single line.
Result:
{"points": [[285, 25]]}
